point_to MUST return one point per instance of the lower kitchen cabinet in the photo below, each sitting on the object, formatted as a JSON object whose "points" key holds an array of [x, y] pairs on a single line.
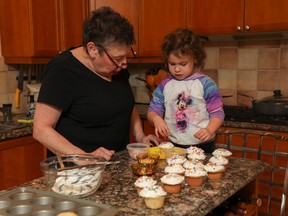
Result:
{"points": [[20, 161]]}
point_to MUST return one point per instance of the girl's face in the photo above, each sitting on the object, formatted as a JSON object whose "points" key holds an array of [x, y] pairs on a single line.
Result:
{"points": [[181, 67]]}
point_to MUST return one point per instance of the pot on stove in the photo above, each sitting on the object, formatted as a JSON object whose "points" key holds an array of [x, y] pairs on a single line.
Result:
{"points": [[276, 105]]}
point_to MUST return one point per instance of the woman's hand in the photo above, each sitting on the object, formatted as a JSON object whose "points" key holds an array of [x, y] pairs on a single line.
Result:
{"points": [[203, 134], [103, 152]]}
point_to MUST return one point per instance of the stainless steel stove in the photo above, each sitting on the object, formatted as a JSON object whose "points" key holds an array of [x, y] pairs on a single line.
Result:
{"points": [[245, 114]]}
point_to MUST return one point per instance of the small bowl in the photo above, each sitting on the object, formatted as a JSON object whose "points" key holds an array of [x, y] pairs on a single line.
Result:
{"points": [[73, 180], [143, 169], [137, 148], [147, 158]]}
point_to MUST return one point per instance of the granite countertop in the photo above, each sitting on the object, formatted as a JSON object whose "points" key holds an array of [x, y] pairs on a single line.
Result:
{"points": [[117, 188]]}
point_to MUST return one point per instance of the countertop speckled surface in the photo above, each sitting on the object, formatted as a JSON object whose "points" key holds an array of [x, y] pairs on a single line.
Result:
{"points": [[117, 188]]}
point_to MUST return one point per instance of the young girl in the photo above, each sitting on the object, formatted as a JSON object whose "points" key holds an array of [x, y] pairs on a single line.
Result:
{"points": [[186, 106]]}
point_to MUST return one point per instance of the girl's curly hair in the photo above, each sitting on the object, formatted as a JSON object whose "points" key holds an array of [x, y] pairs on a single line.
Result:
{"points": [[181, 42]]}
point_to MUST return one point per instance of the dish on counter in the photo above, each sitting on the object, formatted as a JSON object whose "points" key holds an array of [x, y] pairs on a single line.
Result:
{"points": [[173, 151]]}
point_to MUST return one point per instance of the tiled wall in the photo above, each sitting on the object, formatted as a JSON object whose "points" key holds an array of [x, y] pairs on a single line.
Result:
{"points": [[254, 68]]}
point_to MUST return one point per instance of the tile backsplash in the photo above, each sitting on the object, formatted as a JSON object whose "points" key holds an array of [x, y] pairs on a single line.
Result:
{"points": [[254, 68]]}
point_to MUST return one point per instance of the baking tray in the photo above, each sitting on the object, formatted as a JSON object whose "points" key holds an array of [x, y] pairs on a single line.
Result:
{"points": [[26, 201]]}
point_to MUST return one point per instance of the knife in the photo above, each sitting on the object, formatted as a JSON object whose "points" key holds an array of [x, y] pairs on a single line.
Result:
{"points": [[19, 88]]}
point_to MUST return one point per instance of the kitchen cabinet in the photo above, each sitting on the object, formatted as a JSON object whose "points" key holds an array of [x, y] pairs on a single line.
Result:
{"points": [[33, 31], [225, 16], [20, 161], [151, 19]]}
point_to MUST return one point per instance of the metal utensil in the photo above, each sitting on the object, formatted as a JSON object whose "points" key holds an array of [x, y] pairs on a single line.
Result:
{"points": [[60, 160]]}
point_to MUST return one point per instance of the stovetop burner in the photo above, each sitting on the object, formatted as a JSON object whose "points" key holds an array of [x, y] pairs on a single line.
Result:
{"points": [[245, 114]]}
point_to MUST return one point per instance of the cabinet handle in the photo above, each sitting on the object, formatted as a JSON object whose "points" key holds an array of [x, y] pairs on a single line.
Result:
{"points": [[247, 28], [238, 28]]}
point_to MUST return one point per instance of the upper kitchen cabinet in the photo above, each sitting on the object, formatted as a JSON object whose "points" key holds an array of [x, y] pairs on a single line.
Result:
{"points": [[127, 8], [226, 16], [156, 19], [34, 31]]}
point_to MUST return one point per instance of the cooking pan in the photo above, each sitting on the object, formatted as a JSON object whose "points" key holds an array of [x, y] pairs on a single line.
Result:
{"points": [[276, 105]]}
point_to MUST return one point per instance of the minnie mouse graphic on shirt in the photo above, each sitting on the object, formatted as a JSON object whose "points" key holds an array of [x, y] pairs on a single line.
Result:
{"points": [[181, 115]]}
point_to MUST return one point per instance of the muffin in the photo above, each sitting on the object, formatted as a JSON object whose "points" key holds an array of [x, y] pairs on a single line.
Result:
{"points": [[172, 183], [222, 152], [195, 177], [144, 181], [154, 196], [197, 156], [214, 171], [193, 164], [193, 149], [220, 160], [174, 168], [176, 159], [67, 214]]}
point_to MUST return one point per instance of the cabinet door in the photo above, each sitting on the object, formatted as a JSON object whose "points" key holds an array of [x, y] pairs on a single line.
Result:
{"points": [[156, 19], [127, 8], [214, 17], [266, 15], [20, 161]]}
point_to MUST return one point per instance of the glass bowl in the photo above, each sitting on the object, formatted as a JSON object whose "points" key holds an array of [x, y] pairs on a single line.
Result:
{"points": [[148, 158], [81, 176], [143, 169], [137, 148]]}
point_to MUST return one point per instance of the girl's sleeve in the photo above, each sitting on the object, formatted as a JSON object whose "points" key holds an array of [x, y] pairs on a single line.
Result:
{"points": [[157, 102]]}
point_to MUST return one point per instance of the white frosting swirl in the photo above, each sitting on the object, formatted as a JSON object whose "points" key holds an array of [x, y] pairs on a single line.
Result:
{"points": [[192, 149], [219, 160], [152, 191], [210, 167], [174, 168], [197, 155], [172, 179], [166, 145], [176, 159], [222, 152], [144, 181], [195, 172], [193, 164]]}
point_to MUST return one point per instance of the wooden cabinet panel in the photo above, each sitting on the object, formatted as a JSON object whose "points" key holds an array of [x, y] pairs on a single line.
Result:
{"points": [[156, 19], [225, 16], [221, 16], [127, 8], [20, 161], [34, 31]]}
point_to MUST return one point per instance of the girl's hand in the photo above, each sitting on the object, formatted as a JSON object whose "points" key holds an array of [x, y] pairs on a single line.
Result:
{"points": [[161, 128], [203, 134]]}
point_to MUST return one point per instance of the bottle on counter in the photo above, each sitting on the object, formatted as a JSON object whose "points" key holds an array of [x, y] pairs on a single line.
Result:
{"points": [[31, 107]]}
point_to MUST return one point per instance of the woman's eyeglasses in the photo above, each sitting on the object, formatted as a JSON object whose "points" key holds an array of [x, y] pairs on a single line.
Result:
{"points": [[115, 62]]}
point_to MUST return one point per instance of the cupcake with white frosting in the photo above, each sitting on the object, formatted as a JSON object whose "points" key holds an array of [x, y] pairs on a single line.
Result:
{"points": [[154, 196], [176, 159], [172, 183], [222, 152], [220, 160], [200, 156], [166, 148], [193, 164], [195, 177], [174, 168], [144, 181], [214, 171], [193, 149]]}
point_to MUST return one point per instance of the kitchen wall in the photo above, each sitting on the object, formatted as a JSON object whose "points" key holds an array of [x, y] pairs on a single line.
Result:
{"points": [[254, 68]]}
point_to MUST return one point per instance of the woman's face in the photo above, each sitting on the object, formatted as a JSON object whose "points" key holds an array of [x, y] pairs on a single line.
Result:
{"points": [[182, 66]]}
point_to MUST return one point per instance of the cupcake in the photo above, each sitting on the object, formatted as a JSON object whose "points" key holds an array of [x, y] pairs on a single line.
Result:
{"points": [[144, 181], [154, 196], [176, 159], [193, 149], [214, 171], [172, 183], [193, 164], [197, 155], [222, 152], [174, 168], [166, 148], [220, 160], [195, 177]]}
